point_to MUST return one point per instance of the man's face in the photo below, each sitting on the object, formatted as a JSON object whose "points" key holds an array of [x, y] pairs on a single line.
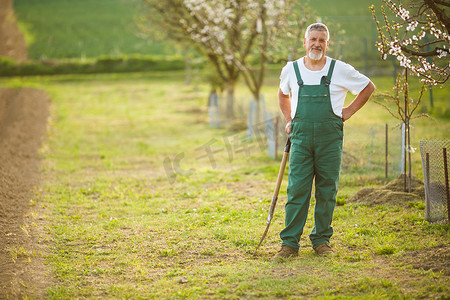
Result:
{"points": [[316, 45]]}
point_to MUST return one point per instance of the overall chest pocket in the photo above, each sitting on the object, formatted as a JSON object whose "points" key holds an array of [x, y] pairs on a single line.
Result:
{"points": [[315, 98], [314, 94]]}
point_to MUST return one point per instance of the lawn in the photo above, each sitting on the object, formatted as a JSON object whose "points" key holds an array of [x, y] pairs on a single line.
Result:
{"points": [[136, 207]]}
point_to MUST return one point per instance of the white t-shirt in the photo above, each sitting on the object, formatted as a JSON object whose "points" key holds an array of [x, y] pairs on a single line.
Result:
{"points": [[344, 79]]}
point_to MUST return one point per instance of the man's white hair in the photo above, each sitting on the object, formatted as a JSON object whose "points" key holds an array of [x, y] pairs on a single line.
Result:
{"points": [[319, 27]]}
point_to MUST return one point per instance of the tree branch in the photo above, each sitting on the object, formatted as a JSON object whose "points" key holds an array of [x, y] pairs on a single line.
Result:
{"points": [[439, 12], [445, 3], [433, 52]]}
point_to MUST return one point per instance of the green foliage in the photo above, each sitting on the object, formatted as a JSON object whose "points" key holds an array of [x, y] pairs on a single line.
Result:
{"points": [[386, 249], [341, 200], [102, 64]]}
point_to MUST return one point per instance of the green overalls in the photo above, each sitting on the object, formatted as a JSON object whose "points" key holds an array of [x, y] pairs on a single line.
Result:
{"points": [[316, 152]]}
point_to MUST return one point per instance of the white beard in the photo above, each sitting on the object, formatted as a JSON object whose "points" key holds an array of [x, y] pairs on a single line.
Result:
{"points": [[315, 56]]}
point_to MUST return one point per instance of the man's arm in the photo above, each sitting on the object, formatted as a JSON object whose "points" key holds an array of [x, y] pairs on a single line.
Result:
{"points": [[285, 105], [358, 102]]}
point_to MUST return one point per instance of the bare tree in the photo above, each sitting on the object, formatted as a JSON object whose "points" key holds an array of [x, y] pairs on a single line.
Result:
{"points": [[417, 35], [404, 108]]}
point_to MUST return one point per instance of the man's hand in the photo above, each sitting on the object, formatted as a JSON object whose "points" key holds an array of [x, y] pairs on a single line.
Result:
{"points": [[285, 105], [288, 127], [346, 114], [358, 102]]}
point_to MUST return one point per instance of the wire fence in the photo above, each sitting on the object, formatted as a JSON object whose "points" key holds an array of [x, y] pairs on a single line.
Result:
{"points": [[372, 150], [435, 172]]}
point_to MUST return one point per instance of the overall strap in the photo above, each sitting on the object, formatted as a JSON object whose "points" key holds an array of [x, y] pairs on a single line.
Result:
{"points": [[327, 79], [297, 73]]}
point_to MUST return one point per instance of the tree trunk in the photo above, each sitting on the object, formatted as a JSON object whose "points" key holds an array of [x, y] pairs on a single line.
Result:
{"points": [[409, 158], [405, 145], [187, 67], [407, 141], [230, 100], [259, 112]]}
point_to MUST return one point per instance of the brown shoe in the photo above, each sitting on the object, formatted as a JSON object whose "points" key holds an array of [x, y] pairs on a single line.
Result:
{"points": [[285, 253], [324, 249]]}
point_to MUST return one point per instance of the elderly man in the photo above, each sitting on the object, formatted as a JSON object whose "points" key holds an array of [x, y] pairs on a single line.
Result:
{"points": [[311, 97]]}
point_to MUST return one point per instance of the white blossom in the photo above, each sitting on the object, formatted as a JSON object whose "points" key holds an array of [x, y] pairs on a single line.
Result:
{"points": [[422, 35], [402, 40], [402, 13], [412, 26], [229, 57]]}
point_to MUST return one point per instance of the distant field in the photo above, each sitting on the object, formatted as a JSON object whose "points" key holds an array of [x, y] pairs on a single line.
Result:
{"points": [[82, 28], [91, 28]]}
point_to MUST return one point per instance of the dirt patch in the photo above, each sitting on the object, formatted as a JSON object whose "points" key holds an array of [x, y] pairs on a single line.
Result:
{"points": [[391, 193], [12, 42], [436, 259], [23, 124]]}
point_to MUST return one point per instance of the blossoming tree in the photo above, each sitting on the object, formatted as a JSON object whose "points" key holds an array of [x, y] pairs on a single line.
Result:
{"points": [[418, 37], [237, 36]]}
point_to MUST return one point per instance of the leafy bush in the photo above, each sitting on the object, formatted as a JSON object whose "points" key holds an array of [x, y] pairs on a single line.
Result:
{"points": [[105, 64]]}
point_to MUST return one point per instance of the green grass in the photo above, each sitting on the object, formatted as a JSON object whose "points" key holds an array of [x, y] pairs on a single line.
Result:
{"points": [[126, 222], [83, 29]]}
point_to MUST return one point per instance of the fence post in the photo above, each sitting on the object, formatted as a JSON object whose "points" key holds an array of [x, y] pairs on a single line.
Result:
{"points": [[444, 150], [277, 119], [427, 187], [386, 165], [372, 136], [431, 96]]}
